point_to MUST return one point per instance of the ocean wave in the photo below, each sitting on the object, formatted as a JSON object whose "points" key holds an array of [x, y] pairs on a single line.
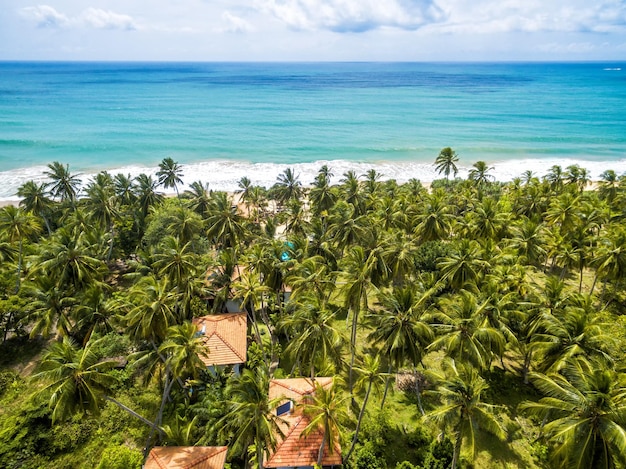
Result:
{"points": [[225, 174]]}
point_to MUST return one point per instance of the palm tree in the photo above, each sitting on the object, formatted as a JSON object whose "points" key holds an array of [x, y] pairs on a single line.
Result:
{"points": [[146, 194], [101, 204], [357, 281], [64, 185], [400, 328], [69, 258], [18, 225], [314, 338], [463, 333], [152, 311], [199, 197], [325, 410], [176, 261], [225, 225], [245, 192], [123, 188], [251, 417], [183, 348], [50, 306], [371, 376], [480, 173], [35, 200], [462, 410], [288, 186], [433, 221], [570, 334], [584, 408], [463, 266], [446, 162], [77, 380], [169, 174]]}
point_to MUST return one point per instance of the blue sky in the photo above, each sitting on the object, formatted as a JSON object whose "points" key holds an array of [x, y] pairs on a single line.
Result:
{"points": [[312, 30]]}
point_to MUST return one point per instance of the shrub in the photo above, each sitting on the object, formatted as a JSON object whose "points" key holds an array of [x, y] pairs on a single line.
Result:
{"points": [[120, 457]]}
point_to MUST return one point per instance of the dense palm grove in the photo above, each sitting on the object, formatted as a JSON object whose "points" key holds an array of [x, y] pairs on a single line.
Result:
{"points": [[478, 323]]}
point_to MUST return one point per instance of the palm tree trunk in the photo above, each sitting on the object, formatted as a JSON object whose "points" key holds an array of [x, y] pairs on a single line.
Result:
{"points": [[418, 392], [320, 453], [593, 285], [358, 423], [133, 413], [457, 448], [580, 284], [159, 419], [387, 381], [19, 268]]}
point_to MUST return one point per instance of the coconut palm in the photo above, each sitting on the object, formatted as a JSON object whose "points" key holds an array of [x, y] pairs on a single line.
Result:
{"points": [[225, 224], [183, 348], [480, 173], [584, 408], [401, 329], [463, 333], [77, 381], [325, 410], [251, 417], [35, 200], [145, 190], [18, 225], [69, 258], [102, 206], [314, 338], [152, 311], [176, 261], [461, 408], [288, 186], [464, 266], [446, 162], [433, 220], [199, 197], [569, 334], [123, 188], [64, 185], [371, 377], [169, 174], [50, 306]]}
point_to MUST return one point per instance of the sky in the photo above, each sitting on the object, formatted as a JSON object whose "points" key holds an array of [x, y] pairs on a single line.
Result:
{"points": [[314, 30]]}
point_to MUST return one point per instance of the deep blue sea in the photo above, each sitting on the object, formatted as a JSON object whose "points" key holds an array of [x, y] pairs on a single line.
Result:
{"points": [[222, 121]]}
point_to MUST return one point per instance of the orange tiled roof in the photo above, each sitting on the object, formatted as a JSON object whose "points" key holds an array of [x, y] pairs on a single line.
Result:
{"points": [[186, 457], [296, 388], [293, 449], [225, 338]]}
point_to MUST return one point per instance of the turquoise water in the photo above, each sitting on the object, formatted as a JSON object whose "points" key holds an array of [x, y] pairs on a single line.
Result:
{"points": [[226, 120]]}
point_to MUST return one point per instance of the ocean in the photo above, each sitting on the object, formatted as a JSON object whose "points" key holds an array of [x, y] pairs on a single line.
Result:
{"points": [[222, 121]]}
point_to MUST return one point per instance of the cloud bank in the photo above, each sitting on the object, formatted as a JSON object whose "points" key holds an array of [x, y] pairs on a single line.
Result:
{"points": [[46, 16], [352, 15]]}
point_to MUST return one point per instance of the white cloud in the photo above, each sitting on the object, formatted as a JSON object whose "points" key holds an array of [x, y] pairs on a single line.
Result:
{"points": [[352, 15], [47, 17], [234, 24], [105, 19], [493, 16]]}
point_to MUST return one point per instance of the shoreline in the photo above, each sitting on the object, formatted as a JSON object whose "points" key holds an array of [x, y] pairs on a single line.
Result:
{"points": [[224, 175]]}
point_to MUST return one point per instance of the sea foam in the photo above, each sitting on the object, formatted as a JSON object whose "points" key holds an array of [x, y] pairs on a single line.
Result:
{"points": [[225, 175]]}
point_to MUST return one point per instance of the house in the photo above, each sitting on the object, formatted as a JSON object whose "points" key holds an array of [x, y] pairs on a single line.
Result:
{"points": [[186, 457], [225, 336], [293, 450]]}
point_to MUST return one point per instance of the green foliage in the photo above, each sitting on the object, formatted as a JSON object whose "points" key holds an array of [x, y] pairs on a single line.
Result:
{"points": [[367, 456], [7, 379], [120, 457], [428, 253]]}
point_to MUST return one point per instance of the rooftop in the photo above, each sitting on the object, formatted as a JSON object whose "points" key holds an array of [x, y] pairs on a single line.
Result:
{"points": [[295, 450], [186, 457], [225, 338]]}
